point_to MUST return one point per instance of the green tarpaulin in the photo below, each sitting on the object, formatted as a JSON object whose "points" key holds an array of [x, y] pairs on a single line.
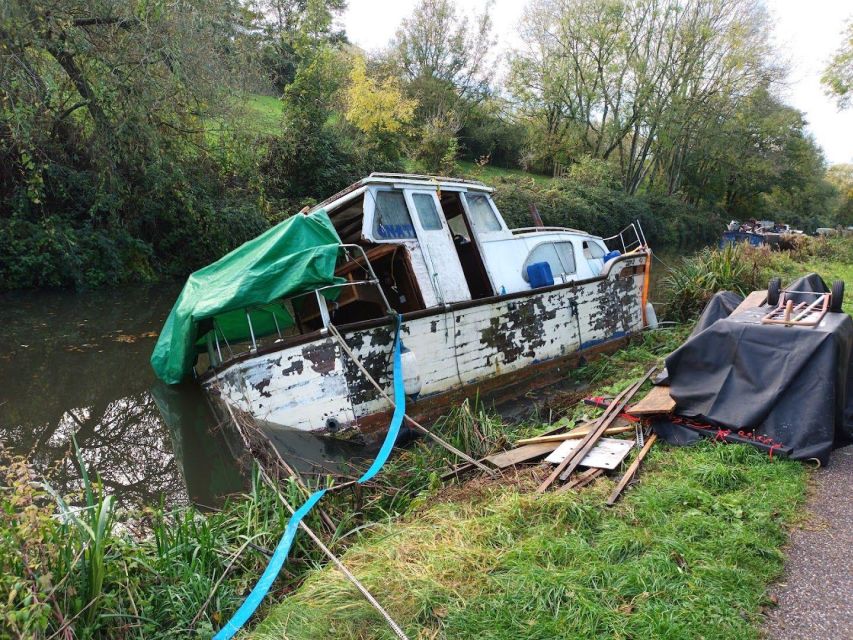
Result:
{"points": [[295, 256]]}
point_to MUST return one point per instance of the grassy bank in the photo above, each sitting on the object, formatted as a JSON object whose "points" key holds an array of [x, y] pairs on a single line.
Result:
{"points": [[687, 553]]}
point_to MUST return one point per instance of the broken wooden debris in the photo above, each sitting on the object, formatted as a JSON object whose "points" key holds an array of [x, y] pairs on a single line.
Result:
{"points": [[657, 401], [607, 453], [587, 442], [753, 300], [557, 438], [583, 479], [631, 471], [594, 436], [521, 454]]}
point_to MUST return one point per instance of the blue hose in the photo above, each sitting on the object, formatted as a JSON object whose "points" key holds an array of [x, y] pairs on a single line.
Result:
{"points": [[253, 600]]}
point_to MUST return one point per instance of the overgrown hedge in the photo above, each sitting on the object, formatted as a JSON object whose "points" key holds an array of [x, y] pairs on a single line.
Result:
{"points": [[667, 222]]}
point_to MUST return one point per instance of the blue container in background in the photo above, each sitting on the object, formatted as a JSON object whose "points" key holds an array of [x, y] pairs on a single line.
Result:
{"points": [[611, 254], [539, 275]]}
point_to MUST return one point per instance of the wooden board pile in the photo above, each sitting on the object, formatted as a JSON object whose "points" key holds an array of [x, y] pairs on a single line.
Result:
{"points": [[585, 451], [582, 454]]}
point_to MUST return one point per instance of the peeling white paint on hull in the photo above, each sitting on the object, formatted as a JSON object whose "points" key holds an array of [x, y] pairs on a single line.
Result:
{"points": [[313, 386]]}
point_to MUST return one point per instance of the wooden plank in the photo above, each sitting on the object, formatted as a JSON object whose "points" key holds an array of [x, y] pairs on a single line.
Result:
{"points": [[521, 454], [753, 300], [572, 435], [582, 480], [575, 458], [632, 470], [607, 453], [656, 401], [604, 421]]}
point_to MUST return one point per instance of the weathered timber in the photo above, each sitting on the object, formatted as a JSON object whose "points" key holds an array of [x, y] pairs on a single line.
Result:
{"points": [[604, 421], [753, 300], [656, 401], [518, 455], [573, 435], [593, 437], [581, 480], [632, 471]]}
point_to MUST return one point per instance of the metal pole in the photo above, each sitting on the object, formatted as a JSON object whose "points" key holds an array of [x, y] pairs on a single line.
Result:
{"points": [[251, 331]]}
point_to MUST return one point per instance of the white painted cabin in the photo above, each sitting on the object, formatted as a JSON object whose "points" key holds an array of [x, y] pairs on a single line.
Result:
{"points": [[437, 252]]}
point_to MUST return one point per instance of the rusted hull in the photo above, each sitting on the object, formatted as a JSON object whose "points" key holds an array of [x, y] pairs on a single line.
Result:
{"points": [[513, 343]]}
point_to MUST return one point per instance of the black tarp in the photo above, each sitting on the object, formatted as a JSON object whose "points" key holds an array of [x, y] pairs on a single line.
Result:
{"points": [[793, 384], [718, 307]]}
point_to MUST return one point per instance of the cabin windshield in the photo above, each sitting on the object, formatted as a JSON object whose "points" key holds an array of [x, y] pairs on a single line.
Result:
{"points": [[482, 215]]}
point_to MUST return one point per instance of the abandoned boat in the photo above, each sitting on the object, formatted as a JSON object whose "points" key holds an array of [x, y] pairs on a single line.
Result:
{"points": [[483, 308]]}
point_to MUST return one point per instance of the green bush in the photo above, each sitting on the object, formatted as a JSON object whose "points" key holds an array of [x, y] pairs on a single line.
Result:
{"points": [[603, 210]]}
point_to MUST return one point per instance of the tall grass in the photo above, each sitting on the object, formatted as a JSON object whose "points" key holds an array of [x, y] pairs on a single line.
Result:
{"points": [[90, 571], [691, 283]]}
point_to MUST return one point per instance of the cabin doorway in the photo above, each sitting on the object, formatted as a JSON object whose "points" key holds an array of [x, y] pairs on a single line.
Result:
{"points": [[466, 246]]}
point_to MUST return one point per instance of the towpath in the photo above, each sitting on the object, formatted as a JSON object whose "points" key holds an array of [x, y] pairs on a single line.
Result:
{"points": [[815, 595]]}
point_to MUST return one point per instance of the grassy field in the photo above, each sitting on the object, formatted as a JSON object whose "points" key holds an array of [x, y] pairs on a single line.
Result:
{"points": [[687, 553], [264, 112]]}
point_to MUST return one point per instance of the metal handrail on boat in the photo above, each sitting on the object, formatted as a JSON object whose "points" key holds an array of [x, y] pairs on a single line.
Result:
{"points": [[321, 302], [546, 230], [637, 242]]}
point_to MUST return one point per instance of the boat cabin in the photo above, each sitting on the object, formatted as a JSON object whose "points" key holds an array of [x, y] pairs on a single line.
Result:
{"points": [[437, 241], [411, 243]]}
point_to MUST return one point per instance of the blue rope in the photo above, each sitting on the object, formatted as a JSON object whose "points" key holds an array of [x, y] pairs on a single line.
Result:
{"points": [[253, 600]]}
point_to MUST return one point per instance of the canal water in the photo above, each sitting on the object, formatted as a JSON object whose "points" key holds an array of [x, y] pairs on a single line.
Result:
{"points": [[76, 364]]}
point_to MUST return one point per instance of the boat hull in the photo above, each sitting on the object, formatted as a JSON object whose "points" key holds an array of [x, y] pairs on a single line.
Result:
{"points": [[508, 344]]}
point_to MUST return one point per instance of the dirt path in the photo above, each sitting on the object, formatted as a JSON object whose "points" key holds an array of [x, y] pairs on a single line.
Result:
{"points": [[816, 593]]}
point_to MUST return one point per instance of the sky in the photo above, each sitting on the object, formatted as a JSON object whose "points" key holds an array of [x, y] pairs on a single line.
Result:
{"points": [[806, 32]]}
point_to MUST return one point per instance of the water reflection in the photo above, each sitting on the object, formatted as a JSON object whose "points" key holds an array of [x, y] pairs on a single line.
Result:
{"points": [[78, 364]]}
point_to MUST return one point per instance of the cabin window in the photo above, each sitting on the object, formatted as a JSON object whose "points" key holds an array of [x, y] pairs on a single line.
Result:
{"points": [[482, 216], [425, 206], [560, 256], [594, 255], [391, 220], [592, 250]]}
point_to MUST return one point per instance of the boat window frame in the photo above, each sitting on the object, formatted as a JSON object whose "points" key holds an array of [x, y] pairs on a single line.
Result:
{"points": [[370, 221], [484, 233], [562, 274], [435, 210]]}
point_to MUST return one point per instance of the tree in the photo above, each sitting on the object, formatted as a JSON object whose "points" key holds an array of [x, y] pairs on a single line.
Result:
{"points": [[289, 30], [443, 58], [378, 109], [841, 177], [104, 147], [634, 81], [838, 75]]}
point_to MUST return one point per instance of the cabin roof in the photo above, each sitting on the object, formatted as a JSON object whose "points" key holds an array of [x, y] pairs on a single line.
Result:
{"points": [[409, 179]]}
